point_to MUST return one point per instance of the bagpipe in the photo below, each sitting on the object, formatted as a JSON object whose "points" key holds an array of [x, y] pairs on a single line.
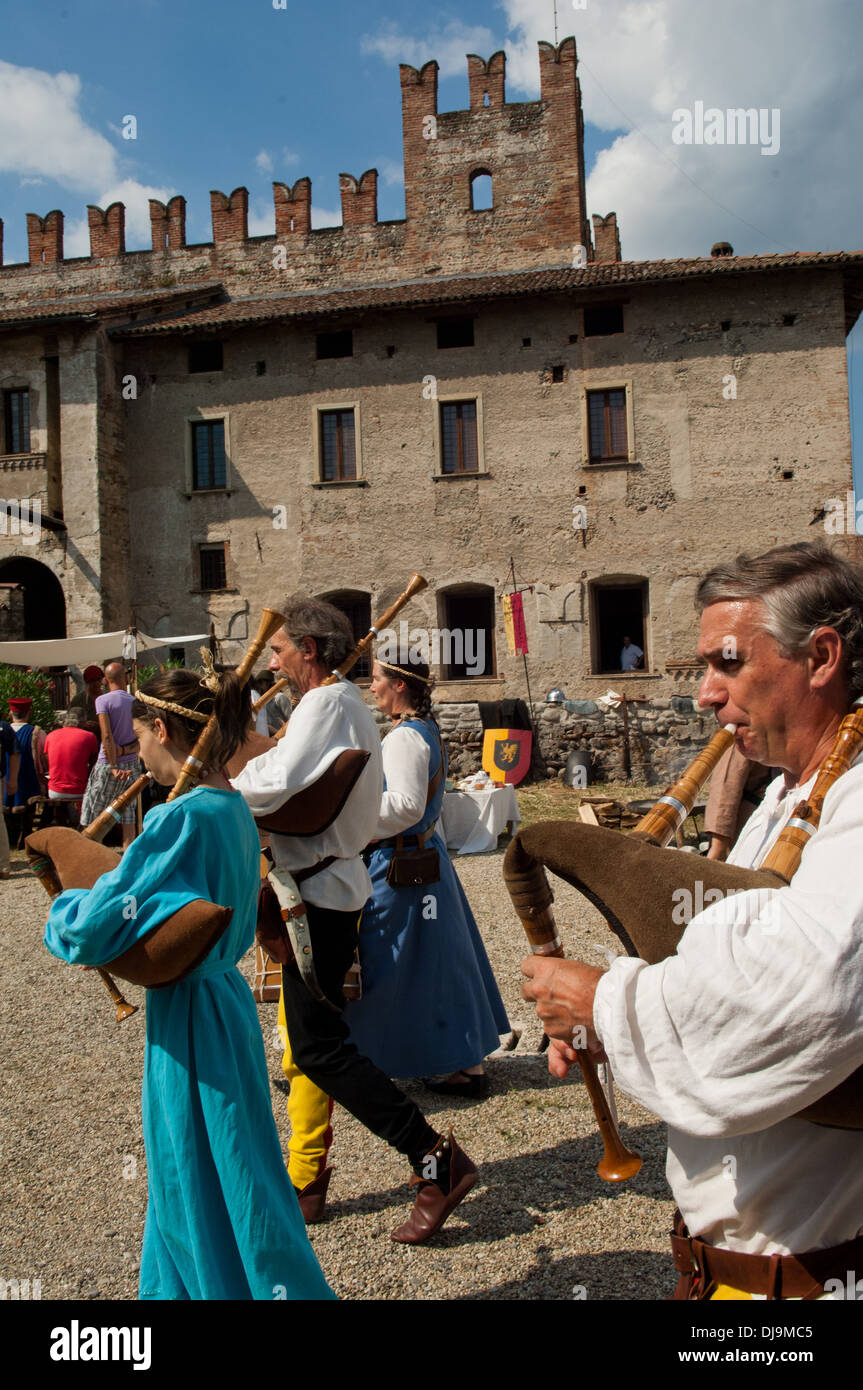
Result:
{"points": [[636, 883], [62, 858]]}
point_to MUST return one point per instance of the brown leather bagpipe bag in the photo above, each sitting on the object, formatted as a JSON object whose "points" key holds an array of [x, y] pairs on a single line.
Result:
{"points": [[171, 950], [636, 886]]}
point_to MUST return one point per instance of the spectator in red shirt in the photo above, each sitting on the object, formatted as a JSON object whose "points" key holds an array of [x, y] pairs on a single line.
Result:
{"points": [[71, 753]]}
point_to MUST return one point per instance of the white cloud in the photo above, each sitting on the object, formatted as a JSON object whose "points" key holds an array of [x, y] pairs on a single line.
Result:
{"points": [[42, 132], [289, 157], [448, 45], [391, 171], [264, 161], [639, 60], [325, 217]]}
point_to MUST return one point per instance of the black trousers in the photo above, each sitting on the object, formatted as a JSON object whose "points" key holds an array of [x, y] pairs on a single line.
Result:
{"points": [[318, 1038]]}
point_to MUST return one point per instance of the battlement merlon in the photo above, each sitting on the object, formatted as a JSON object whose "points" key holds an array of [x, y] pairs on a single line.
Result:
{"points": [[359, 199], [293, 208], [487, 80], [168, 223], [45, 238], [533, 152]]}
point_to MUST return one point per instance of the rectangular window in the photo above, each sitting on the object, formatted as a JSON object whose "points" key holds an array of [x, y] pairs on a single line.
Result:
{"points": [[212, 566], [601, 320], [459, 453], [17, 412], [335, 344], [205, 357], [338, 445], [357, 609], [619, 627], [209, 464], [606, 416], [466, 617], [453, 333]]}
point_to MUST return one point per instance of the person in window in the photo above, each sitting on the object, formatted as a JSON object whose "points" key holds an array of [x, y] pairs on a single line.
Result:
{"points": [[430, 1003], [631, 657]]}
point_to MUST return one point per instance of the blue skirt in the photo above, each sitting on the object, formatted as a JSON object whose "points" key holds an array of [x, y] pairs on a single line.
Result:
{"points": [[430, 1002]]}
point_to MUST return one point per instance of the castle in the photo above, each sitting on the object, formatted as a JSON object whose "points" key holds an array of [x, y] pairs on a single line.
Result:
{"points": [[483, 387]]}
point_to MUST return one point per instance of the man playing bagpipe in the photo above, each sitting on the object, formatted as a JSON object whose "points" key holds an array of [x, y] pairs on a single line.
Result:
{"points": [[758, 1014], [330, 721]]}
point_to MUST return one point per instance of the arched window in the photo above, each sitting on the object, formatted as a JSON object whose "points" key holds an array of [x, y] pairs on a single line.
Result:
{"points": [[357, 608], [465, 637], [481, 195]]}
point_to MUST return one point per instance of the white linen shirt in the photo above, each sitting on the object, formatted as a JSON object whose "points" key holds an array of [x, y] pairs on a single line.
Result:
{"points": [[326, 721], [406, 758], [758, 1014]]}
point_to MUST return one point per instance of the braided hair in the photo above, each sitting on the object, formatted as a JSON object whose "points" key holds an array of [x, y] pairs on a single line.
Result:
{"points": [[415, 675]]}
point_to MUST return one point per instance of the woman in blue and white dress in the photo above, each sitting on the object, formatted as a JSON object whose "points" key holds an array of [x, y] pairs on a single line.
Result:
{"points": [[430, 1003], [222, 1218]]}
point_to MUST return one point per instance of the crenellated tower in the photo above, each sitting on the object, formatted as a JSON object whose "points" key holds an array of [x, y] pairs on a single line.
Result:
{"points": [[527, 159], [533, 152]]}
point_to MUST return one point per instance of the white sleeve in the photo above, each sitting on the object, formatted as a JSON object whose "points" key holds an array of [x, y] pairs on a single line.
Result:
{"points": [[406, 758], [316, 734], [760, 1012]]}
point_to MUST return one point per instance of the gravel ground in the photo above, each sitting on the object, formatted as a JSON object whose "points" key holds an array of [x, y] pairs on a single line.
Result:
{"points": [[540, 1224]]}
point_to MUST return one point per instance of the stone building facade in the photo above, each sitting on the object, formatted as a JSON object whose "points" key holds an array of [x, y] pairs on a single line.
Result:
{"points": [[472, 392]]}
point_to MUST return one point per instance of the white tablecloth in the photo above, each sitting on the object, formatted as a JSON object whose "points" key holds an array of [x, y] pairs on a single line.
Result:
{"points": [[471, 822]]}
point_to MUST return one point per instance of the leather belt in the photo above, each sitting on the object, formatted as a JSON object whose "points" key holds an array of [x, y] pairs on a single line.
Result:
{"points": [[701, 1267], [405, 841]]}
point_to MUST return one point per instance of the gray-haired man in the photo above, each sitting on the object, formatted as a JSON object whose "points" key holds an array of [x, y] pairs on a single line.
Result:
{"points": [[329, 720]]}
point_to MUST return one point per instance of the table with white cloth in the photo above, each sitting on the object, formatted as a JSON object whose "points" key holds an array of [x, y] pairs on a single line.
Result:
{"points": [[471, 821]]}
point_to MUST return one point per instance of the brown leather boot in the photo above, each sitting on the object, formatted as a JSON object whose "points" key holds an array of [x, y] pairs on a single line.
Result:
{"points": [[313, 1197], [436, 1199]]}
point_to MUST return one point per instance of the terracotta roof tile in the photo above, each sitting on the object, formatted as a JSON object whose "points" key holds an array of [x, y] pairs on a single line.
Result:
{"points": [[463, 289], [120, 303]]}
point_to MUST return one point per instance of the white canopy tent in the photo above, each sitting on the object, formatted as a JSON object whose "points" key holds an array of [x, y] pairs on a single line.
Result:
{"points": [[86, 651]]}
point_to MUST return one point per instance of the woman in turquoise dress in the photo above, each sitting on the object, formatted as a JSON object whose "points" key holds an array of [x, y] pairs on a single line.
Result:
{"points": [[430, 1002], [222, 1217]]}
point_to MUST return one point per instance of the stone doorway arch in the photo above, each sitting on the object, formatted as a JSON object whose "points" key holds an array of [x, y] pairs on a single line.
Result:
{"points": [[44, 600]]}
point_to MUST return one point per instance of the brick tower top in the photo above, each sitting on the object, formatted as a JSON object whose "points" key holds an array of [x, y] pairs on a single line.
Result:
{"points": [[533, 151]]}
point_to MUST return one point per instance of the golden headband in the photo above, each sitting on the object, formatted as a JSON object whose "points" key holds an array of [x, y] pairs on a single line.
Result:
{"points": [[173, 708], [409, 675]]}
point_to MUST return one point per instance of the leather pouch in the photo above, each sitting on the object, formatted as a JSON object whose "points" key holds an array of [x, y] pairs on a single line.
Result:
{"points": [[409, 868]]}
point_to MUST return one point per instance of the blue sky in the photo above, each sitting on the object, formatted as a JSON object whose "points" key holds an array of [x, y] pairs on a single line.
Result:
{"points": [[230, 92]]}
